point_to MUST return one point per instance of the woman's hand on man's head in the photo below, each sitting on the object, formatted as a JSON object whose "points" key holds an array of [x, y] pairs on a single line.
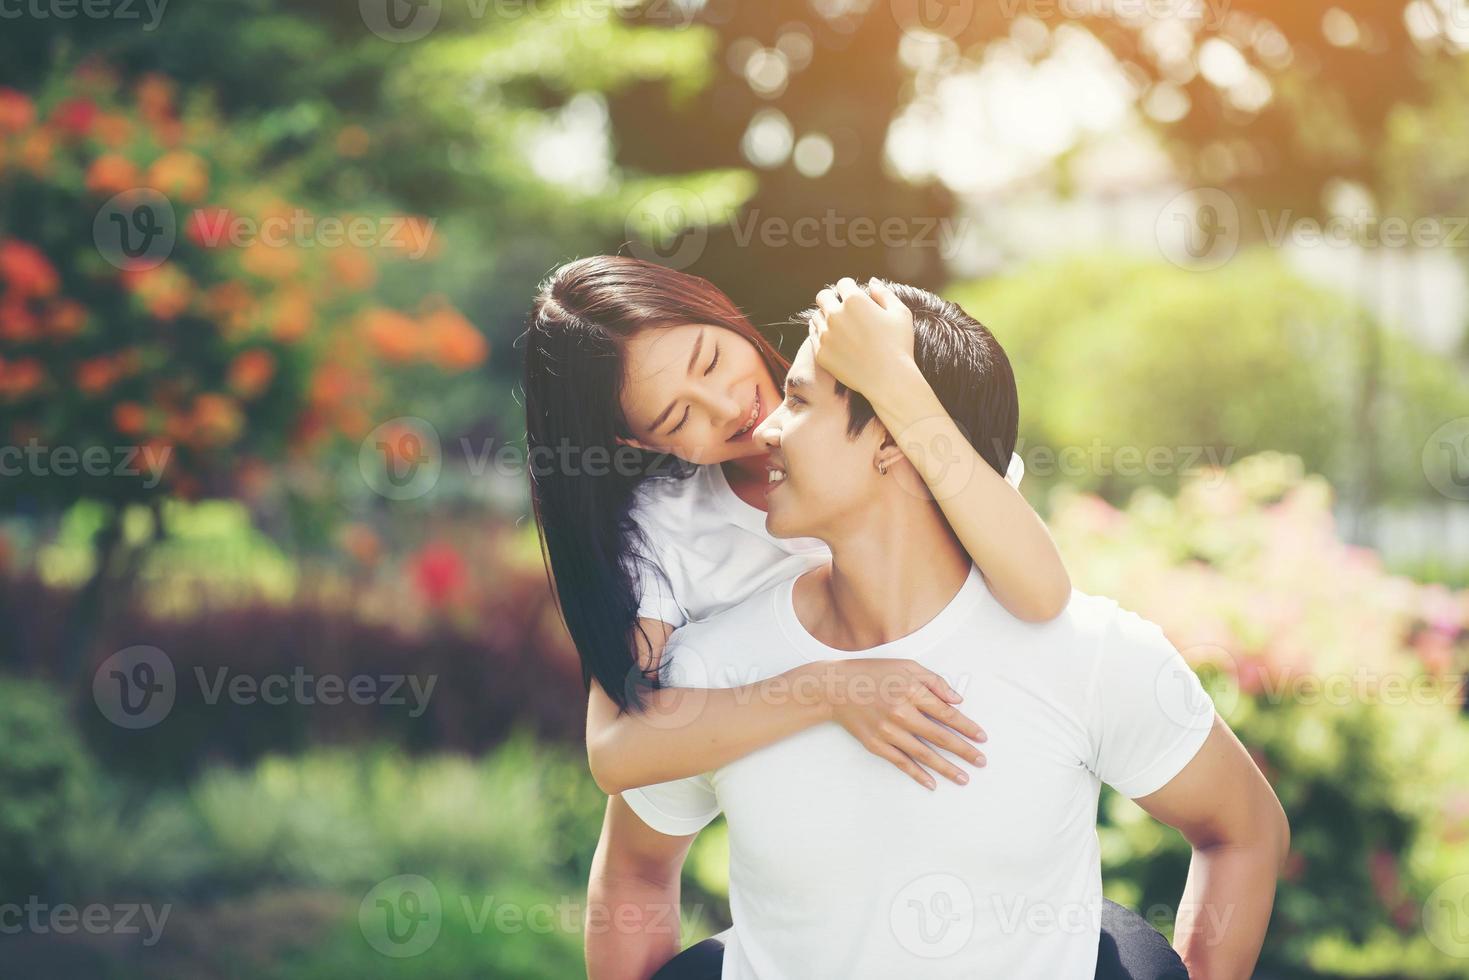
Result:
{"points": [[860, 334]]}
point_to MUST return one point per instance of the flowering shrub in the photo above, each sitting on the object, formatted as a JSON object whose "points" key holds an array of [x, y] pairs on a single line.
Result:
{"points": [[163, 300], [1345, 682]]}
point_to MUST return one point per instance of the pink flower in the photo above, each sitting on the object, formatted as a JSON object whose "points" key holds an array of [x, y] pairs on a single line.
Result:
{"points": [[438, 572], [75, 116]]}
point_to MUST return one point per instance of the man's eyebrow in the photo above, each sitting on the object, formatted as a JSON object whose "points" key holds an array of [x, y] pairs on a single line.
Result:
{"points": [[693, 359], [794, 381]]}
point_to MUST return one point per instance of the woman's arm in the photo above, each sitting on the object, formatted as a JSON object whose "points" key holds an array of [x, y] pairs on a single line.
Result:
{"points": [[885, 704], [866, 342]]}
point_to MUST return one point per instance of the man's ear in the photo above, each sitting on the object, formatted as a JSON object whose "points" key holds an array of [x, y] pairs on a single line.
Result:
{"points": [[888, 454]]}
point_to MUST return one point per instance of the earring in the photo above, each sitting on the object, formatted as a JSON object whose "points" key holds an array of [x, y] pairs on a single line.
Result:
{"points": [[882, 469]]}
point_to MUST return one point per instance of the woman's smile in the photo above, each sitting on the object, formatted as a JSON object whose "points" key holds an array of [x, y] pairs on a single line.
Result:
{"points": [[751, 420]]}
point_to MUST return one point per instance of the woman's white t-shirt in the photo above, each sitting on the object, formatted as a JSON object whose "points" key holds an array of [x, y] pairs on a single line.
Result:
{"points": [[706, 550]]}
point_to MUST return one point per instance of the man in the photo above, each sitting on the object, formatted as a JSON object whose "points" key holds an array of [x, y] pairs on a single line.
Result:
{"points": [[840, 865]]}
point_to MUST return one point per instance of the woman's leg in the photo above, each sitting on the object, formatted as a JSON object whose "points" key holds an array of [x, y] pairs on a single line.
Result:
{"points": [[701, 961], [1133, 950]]}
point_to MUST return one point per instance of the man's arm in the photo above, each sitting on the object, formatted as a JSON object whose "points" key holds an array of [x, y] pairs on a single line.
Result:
{"points": [[1225, 808], [632, 922]]}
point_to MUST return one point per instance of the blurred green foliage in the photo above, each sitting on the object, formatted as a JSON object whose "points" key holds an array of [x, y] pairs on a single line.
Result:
{"points": [[44, 776], [512, 829], [339, 818], [1116, 356]]}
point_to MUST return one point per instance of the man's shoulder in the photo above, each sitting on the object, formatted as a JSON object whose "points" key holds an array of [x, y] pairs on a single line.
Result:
{"points": [[1089, 613], [1094, 627], [1086, 627]]}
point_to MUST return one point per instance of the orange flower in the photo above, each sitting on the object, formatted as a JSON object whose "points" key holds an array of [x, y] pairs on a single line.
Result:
{"points": [[35, 151], [361, 542], [26, 270], [353, 421], [129, 418], [394, 335], [66, 318], [352, 141], [329, 385], [418, 238], [250, 372], [278, 262], [177, 426], [168, 132], [17, 111], [451, 341], [230, 305], [228, 299], [352, 269], [340, 388], [180, 174], [20, 378], [95, 375], [293, 317], [113, 130], [112, 173], [164, 290], [155, 97], [216, 420]]}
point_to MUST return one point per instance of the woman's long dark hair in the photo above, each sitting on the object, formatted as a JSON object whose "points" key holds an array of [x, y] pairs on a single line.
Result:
{"points": [[582, 481]]}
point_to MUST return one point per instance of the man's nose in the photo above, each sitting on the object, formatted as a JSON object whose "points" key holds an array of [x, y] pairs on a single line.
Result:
{"points": [[767, 433]]}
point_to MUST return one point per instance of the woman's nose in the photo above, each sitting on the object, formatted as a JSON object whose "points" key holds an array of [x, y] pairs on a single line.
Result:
{"points": [[724, 408]]}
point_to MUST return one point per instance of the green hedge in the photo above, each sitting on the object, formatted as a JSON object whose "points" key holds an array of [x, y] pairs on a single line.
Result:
{"points": [[1116, 352]]}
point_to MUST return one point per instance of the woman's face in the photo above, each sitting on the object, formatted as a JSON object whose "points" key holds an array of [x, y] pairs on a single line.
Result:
{"points": [[696, 391]]}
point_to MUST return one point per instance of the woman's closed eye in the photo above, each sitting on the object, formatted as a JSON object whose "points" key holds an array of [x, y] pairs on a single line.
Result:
{"points": [[708, 370], [681, 422]]}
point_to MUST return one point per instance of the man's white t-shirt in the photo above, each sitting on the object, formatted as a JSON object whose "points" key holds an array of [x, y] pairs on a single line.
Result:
{"points": [[706, 550], [842, 867]]}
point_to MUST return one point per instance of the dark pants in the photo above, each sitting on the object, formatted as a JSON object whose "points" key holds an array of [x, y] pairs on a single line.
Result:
{"points": [[1130, 950]]}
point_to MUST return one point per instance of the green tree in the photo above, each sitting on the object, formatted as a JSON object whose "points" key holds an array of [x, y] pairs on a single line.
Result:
{"points": [[1118, 358]]}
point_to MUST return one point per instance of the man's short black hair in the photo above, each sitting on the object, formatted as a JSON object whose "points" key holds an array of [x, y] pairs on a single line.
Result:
{"points": [[967, 368]]}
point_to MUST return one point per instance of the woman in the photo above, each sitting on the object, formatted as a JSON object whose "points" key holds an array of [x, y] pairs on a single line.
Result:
{"points": [[630, 366], [643, 365]]}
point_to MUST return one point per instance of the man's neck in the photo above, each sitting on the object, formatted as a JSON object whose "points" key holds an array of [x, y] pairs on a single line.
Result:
{"points": [[890, 574]]}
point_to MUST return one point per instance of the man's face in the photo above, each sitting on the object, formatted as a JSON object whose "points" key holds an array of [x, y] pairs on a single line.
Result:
{"points": [[821, 478]]}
